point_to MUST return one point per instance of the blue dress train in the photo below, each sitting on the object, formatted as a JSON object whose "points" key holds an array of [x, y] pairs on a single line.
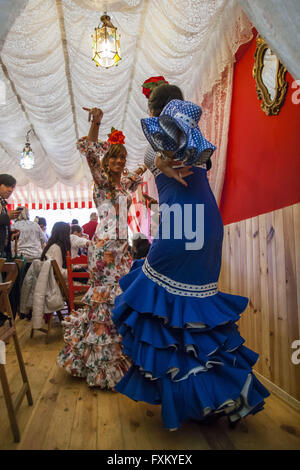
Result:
{"points": [[178, 329]]}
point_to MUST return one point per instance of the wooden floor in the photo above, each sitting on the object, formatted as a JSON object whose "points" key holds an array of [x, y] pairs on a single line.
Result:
{"points": [[68, 415]]}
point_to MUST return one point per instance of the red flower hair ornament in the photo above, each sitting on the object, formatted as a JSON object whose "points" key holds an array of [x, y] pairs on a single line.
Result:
{"points": [[152, 83], [116, 137]]}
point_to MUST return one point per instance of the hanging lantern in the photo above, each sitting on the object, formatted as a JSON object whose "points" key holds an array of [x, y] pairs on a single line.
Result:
{"points": [[106, 44], [27, 156]]}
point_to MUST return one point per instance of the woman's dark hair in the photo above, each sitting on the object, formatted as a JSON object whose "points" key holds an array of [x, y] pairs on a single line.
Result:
{"points": [[76, 228], [162, 95], [140, 248], [42, 221], [208, 164], [60, 236], [7, 180]]}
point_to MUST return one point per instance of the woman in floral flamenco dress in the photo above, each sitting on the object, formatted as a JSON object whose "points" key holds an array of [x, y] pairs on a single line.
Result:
{"points": [[93, 346]]}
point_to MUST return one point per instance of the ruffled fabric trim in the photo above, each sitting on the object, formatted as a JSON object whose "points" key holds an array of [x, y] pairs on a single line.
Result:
{"points": [[93, 347], [187, 353], [175, 310]]}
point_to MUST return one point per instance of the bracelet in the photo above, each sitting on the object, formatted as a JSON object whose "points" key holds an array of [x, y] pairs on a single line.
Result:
{"points": [[143, 169], [97, 123]]}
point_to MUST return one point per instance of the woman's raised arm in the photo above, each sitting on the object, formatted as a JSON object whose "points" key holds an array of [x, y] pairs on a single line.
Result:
{"points": [[91, 148]]}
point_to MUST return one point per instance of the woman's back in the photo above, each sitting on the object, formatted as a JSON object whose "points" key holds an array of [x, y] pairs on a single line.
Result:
{"points": [[31, 239]]}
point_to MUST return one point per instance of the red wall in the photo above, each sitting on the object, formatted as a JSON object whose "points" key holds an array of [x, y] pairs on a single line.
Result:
{"points": [[263, 157]]}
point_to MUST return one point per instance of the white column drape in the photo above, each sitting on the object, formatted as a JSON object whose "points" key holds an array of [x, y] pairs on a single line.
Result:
{"points": [[277, 21], [10, 10]]}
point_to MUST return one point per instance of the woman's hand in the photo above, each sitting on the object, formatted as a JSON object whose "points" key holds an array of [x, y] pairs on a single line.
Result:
{"points": [[149, 199], [95, 113], [15, 234], [165, 165]]}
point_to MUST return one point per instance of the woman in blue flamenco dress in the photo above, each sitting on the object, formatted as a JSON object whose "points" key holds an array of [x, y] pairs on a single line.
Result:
{"points": [[178, 329]]}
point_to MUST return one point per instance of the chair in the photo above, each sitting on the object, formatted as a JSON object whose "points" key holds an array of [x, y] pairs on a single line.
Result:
{"points": [[65, 295], [2, 261], [76, 300], [11, 269], [7, 331], [61, 282]]}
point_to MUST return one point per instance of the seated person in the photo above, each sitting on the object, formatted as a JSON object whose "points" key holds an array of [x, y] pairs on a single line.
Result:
{"points": [[58, 245], [78, 242], [31, 240], [43, 224], [90, 227]]}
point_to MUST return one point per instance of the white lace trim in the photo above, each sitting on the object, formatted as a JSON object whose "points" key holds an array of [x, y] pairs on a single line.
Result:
{"points": [[175, 287]]}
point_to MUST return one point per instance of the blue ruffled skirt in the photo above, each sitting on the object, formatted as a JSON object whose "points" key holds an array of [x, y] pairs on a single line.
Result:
{"points": [[186, 350]]}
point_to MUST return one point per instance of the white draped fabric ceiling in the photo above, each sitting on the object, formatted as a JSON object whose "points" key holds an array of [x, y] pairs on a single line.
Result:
{"points": [[48, 75]]}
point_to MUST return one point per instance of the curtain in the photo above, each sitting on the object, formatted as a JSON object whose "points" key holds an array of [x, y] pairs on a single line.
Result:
{"points": [[10, 10], [278, 23]]}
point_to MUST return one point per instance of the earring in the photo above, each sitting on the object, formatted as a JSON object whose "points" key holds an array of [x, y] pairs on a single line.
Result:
{"points": [[125, 171]]}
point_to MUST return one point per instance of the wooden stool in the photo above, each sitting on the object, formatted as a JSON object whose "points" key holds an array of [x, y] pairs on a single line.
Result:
{"points": [[6, 332]]}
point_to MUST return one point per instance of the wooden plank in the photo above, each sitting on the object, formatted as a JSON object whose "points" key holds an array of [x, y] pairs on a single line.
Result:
{"points": [[256, 293], [263, 431], [280, 393], [84, 435], [248, 331], [38, 365], [281, 341], [145, 420], [265, 312], [272, 297], [291, 298], [133, 432], [243, 269], [233, 261], [296, 215], [109, 428], [59, 432], [37, 429], [225, 285]]}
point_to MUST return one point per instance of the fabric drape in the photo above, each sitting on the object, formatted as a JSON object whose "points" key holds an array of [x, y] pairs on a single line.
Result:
{"points": [[278, 23]]}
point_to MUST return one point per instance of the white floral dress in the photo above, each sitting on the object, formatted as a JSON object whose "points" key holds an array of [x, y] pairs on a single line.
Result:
{"points": [[93, 347]]}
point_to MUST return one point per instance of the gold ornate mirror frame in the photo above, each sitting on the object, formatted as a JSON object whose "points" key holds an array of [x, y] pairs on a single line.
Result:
{"points": [[270, 106]]}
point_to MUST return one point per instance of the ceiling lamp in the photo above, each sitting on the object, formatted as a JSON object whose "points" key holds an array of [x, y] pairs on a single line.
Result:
{"points": [[106, 44], [27, 156]]}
